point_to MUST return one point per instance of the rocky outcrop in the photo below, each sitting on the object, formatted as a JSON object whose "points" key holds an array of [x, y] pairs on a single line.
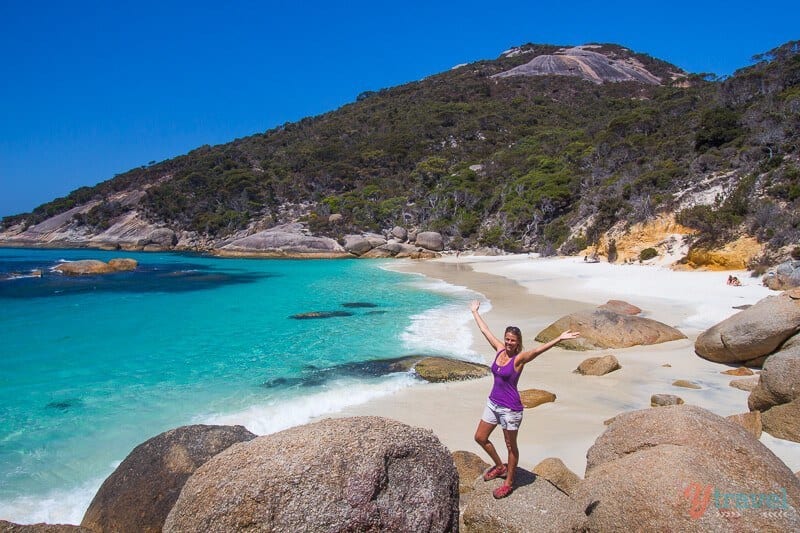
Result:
{"points": [[440, 369], [779, 381], [601, 329], [749, 336], [470, 467], [399, 233], [430, 240], [90, 267], [357, 244], [139, 494], [669, 469], [348, 474], [288, 240], [784, 276], [535, 505], [556, 472], [598, 366], [585, 62], [535, 397]]}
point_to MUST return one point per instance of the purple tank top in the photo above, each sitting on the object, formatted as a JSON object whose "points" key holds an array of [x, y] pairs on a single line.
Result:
{"points": [[504, 392]]}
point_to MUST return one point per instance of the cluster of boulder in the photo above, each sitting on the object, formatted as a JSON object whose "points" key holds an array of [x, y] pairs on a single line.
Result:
{"points": [[294, 240], [670, 469], [784, 276]]}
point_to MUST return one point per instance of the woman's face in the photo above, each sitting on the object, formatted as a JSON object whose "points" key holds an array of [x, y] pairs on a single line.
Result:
{"points": [[512, 343]]}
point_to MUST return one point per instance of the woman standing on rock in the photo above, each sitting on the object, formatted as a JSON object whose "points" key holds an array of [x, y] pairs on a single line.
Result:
{"points": [[504, 405]]}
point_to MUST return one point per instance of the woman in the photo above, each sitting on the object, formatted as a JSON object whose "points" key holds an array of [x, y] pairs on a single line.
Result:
{"points": [[504, 405]]}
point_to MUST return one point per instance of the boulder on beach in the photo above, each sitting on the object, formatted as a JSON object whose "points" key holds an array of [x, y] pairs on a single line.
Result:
{"points": [[598, 366], [747, 384], [345, 474], [740, 371], [686, 384], [601, 329], [470, 467], [535, 505], [399, 233], [556, 472], [622, 307], [662, 400], [535, 397], [357, 244], [783, 421], [668, 469], [441, 369], [430, 240], [749, 336], [139, 494], [777, 393], [784, 276]]}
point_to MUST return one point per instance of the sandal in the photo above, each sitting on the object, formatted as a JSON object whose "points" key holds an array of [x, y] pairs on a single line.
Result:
{"points": [[502, 491], [495, 472]]}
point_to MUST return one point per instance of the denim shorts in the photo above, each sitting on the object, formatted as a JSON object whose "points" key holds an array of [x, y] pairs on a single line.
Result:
{"points": [[497, 414]]}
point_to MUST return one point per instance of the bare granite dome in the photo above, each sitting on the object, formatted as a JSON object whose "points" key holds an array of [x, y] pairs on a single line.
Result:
{"points": [[583, 62]]}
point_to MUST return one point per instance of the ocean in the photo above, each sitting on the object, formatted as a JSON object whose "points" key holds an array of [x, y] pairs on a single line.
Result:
{"points": [[93, 366]]}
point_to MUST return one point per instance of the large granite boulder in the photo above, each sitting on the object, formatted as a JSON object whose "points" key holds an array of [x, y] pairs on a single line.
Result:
{"points": [[346, 474], [601, 329], [670, 469], [784, 276], [84, 267], [162, 237], [535, 397], [400, 233], [783, 421], [779, 381], [440, 369], [750, 335], [430, 240], [621, 307], [556, 472], [288, 240], [139, 494], [357, 244], [535, 505]]}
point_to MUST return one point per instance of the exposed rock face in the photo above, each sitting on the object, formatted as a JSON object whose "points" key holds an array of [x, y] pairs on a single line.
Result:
{"points": [[662, 400], [351, 474], [598, 366], [10, 527], [621, 307], [583, 62], [288, 240], [784, 276], [430, 240], [650, 470], [357, 244], [535, 505], [139, 494], [750, 335], [535, 397], [601, 329], [470, 467], [84, 267], [162, 237], [440, 369], [556, 472]]}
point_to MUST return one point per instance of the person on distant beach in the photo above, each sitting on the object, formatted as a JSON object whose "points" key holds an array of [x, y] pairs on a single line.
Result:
{"points": [[504, 405]]}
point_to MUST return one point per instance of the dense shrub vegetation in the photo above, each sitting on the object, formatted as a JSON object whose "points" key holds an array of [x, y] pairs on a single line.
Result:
{"points": [[511, 162]]}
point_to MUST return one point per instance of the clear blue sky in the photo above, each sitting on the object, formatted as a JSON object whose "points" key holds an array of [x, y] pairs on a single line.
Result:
{"points": [[90, 89]]}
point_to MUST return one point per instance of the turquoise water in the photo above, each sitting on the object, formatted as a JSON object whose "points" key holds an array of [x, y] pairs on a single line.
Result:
{"points": [[93, 366]]}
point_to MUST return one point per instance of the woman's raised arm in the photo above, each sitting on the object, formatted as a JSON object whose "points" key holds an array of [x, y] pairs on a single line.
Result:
{"points": [[494, 341]]}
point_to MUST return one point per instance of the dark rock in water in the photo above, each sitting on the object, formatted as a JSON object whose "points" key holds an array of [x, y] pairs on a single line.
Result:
{"points": [[320, 314], [139, 494], [375, 313], [63, 405], [344, 474], [359, 304]]}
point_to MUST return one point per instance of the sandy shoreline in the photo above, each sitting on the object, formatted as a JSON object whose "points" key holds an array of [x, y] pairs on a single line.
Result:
{"points": [[532, 293]]}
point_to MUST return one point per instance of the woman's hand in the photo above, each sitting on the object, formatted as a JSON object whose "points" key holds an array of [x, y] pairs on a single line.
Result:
{"points": [[569, 334], [474, 306]]}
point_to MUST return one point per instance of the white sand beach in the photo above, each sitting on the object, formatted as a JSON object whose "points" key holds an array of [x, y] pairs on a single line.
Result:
{"points": [[531, 293]]}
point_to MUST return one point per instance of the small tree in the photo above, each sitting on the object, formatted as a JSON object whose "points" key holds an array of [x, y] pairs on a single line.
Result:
{"points": [[612, 251]]}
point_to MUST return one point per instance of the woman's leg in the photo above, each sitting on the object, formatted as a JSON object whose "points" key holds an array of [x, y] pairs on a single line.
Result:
{"points": [[513, 454], [482, 437]]}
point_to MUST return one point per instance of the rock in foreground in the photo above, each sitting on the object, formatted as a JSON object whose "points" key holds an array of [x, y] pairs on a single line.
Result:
{"points": [[350, 474], [139, 494]]}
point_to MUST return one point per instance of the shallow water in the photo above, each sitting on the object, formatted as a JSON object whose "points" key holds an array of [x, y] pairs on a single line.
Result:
{"points": [[93, 366]]}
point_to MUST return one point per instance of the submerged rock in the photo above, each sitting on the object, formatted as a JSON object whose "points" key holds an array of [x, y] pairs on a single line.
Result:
{"points": [[320, 314]]}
